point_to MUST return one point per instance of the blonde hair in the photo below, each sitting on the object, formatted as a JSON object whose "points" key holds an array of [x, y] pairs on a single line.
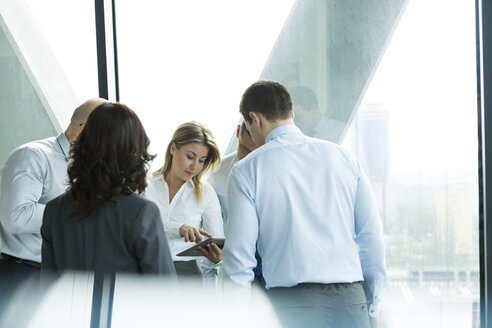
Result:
{"points": [[193, 132]]}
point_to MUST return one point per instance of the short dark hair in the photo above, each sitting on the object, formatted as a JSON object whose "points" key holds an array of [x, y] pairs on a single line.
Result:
{"points": [[269, 98], [108, 158]]}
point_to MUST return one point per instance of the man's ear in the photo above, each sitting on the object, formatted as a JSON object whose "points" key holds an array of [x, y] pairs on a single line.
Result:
{"points": [[256, 117], [238, 130]]}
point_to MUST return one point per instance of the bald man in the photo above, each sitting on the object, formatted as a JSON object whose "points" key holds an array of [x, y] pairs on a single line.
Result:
{"points": [[34, 174]]}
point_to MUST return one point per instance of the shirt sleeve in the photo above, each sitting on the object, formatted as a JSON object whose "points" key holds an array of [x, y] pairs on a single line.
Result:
{"points": [[21, 189], [149, 238], [211, 222], [155, 192], [241, 231], [172, 229], [369, 237]]}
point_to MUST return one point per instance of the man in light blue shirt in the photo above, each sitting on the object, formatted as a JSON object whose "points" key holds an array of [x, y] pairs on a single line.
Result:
{"points": [[34, 174], [310, 210]]}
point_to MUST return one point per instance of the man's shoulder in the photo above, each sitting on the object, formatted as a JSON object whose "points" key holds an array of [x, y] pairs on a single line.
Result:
{"points": [[301, 150], [41, 144], [208, 188], [33, 148], [227, 162], [218, 178], [229, 158], [279, 145]]}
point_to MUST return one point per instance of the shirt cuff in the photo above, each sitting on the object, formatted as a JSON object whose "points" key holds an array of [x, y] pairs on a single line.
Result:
{"points": [[374, 308], [172, 229], [210, 269]]}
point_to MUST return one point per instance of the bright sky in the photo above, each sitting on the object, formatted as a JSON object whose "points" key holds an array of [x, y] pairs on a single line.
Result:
{"points": [[427, 83], [182, 61], [193, 59], [73, 46]]}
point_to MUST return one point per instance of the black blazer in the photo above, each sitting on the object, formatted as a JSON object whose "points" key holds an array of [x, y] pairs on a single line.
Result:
{"points": [[126, 235]]}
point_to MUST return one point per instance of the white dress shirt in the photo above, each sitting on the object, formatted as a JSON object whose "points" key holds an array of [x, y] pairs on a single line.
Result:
{"points": [[219, 179], [34, 174], [304, 203], [184, 209]]}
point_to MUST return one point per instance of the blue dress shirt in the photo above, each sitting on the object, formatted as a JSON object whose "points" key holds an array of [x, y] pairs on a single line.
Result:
{"points": [[309, 209], [34, 174]]}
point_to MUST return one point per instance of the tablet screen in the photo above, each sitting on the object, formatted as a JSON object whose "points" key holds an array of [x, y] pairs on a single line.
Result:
{"points": [[191, 251]]}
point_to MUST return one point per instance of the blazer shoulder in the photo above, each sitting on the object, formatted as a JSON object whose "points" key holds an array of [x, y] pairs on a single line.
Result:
{"points": [[135, 202]]}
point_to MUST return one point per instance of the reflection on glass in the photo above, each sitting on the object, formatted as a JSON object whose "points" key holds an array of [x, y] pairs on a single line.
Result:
{"points": [[192, 60], [74, 45], [45, 70], [47, 61], [309, 118], [414, 131], [415, 135]]}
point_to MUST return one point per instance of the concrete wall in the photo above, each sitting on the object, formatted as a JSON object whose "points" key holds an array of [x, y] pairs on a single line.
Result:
{"points": [[36, 98], [23, 116], [334, 48]]}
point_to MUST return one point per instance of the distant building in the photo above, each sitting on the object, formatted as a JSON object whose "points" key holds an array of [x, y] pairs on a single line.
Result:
{"points": [[370, 141]]}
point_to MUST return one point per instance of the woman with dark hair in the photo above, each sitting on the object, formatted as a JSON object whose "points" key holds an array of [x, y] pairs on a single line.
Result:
{"points": [[189, 206], [101, 224]]}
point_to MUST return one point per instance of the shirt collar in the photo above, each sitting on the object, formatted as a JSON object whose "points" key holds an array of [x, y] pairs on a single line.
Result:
{"points": [[160, 177], [284, 129], [64, 144]]}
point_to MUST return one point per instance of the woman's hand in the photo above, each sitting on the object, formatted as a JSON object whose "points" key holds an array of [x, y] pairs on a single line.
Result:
{"points": [[192, 233], [211, 252]]}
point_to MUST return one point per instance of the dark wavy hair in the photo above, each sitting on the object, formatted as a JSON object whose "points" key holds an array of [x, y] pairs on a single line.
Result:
{"points": [[108, 158]]}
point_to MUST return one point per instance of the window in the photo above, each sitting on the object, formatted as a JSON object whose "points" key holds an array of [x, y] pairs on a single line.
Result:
{"points": [[415, 134]]}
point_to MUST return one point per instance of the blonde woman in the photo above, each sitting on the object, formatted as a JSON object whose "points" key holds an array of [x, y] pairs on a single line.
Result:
{"points": [[189, 206]]}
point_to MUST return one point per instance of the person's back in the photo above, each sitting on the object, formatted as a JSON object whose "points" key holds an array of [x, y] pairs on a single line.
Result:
{"points": [[100, 224], [295, 165], [33, 174], [309, 210], [115, 239]]}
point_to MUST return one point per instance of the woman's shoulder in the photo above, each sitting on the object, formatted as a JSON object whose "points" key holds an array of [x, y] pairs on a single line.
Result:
{"points": [[208, 192], [154, 179], [134, 208], [59, 202], [134, 201], [207, 187], [58, 209], [155, 183]]}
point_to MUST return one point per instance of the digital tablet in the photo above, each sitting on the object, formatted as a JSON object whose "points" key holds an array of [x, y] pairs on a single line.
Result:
{"points": [[191, 251]]}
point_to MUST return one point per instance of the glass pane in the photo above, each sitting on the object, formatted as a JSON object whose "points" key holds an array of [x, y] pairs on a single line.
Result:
{"points": [[381, 77], [71, 35], [416, 135], [47, 67], [191, 60]]}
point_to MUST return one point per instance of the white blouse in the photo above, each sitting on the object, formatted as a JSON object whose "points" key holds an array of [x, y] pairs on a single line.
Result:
{"points": [[184, 209]]}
